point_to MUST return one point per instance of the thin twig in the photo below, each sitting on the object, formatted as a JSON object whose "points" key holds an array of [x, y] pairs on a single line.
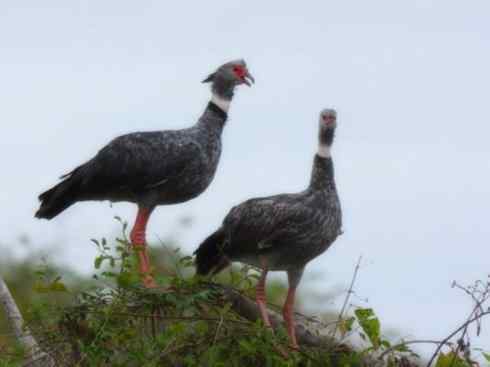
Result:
{"points": [[477, 311], [97, 336], [347, 297], [218, 328], [182, 318], [462, 327], [396, 346], [167, 346], [177, 348], [478, 302]]}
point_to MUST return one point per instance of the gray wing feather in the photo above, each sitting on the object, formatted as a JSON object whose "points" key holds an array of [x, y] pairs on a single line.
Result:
{"points": [[264, 223], [143, 160]]}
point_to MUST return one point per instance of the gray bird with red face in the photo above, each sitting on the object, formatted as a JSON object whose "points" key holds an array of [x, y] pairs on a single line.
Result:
{"points": [[153, 168], [281, 232]]}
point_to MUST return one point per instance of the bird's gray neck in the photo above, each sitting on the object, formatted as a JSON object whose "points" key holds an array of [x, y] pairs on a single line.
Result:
{"points": [[223, 87], [322, 174]]}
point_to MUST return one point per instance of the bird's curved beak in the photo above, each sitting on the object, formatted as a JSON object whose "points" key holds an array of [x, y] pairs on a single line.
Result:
{"points": [[248, 79]]}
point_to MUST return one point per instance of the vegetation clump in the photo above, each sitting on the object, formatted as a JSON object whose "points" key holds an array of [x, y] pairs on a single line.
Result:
{"points": [[192, 321]]}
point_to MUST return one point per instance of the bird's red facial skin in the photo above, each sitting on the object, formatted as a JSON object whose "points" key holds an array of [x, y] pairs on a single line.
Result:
{"points": [[329, 120], [240, 72]]}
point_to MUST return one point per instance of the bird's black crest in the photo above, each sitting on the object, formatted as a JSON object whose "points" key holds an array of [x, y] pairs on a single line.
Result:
{"points": [[209, 79]]}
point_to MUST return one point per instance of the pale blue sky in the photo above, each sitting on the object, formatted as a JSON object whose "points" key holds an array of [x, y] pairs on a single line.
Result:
{"points": [[410, 81]]}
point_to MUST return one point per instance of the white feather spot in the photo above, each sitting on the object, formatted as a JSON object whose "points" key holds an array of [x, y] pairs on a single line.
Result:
{"points": [[221, 102], [323, 151]]}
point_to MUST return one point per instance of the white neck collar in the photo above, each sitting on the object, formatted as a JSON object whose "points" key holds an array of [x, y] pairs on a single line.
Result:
{"points": [[323, 151], [221, 102]]}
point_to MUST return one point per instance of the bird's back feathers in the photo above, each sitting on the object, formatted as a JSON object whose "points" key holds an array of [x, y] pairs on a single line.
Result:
{"points": [[149, 168], [287, 229]]}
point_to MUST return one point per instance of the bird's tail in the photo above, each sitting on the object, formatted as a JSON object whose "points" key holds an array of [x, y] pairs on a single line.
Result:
{"points": [[209, 255], [59, 197]]}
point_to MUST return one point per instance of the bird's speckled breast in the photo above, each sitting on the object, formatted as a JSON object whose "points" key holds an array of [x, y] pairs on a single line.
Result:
{"points": [[194, 179], [310, 242], [200, 169]]}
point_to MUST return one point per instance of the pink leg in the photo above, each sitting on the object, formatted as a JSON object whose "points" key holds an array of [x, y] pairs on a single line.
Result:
{"points": [[288, 315], [260, 298], [138, 240], [294, 276]]}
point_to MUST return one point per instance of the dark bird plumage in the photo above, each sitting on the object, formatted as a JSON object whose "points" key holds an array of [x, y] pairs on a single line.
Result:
{"points": [[148, 168], [281, 232], [289, 229], [153, 168]]}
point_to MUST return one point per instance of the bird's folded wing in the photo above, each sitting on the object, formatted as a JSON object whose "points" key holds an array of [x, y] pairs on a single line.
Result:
{"points": [[140, 162], [265, 222]]}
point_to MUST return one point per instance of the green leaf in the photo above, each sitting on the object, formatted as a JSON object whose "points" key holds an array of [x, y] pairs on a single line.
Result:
{"points": [[345, 325], [486, 355], [126, 279], [57, 286], [201, 327], [369, 324], [402, 348], [98, 261], [40, 287], [225, 309], [109, 274], [246, 346], [451, 360], [120, 248], [385, 343]]}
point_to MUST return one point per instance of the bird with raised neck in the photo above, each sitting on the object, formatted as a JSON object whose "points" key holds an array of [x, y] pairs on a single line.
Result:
{"points": [[281, 232]]}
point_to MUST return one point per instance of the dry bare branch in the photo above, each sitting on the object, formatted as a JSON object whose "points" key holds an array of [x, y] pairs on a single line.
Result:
{"points": [[248, 309], [36, 357]]}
